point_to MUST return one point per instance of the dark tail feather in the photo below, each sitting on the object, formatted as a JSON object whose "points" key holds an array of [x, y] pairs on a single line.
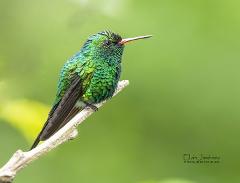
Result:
{"points": [[72, 113], [37, 140], [60, 111]]}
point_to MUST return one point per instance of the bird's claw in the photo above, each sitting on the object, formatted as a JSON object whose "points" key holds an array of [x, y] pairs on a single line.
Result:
{"points": [[93, 107]]}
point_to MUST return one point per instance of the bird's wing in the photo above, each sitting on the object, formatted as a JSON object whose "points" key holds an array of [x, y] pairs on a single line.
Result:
{"points": [[64, 107]]}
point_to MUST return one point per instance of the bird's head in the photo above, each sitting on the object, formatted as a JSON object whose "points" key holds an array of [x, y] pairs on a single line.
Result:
{"points": [[107, 45]]}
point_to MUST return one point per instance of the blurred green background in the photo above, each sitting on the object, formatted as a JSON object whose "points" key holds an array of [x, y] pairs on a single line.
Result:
{"points": [[183, 95]]}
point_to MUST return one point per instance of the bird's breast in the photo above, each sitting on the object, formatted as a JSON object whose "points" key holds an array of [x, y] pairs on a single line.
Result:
{"points": [[102, 85]]}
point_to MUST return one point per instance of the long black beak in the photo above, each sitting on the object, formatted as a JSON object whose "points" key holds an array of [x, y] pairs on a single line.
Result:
{"points": [[127, 40]]}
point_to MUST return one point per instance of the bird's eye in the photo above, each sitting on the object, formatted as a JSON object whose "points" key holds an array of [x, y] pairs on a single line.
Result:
{"points": [[107, 42]]}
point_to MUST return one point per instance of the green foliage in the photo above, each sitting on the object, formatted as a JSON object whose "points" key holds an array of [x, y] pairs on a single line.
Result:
{"points": [[27, 116], [169, 181]]}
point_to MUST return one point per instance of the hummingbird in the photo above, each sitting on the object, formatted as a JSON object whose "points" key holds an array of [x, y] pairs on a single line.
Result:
{"points": [[87, 78]]}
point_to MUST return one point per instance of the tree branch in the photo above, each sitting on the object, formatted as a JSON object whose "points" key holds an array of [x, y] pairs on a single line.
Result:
{"points": [[21, 159]]}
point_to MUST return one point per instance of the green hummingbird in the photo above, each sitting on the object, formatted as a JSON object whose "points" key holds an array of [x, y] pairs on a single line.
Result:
{"points": [[87, 78]]}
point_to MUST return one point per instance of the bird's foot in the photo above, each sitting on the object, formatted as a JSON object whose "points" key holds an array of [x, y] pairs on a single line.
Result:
{"points": [[93, 107]]}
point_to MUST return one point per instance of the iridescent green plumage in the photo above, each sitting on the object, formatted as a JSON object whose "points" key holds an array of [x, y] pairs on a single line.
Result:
{"points": [[98, 63], [89, 77]]}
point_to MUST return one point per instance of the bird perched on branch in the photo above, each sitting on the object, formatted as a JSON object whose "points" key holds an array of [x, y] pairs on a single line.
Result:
{"points": [[89, 77]]}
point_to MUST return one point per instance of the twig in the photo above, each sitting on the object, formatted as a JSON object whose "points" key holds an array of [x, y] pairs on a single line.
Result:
{"points": [[21, 159]]}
